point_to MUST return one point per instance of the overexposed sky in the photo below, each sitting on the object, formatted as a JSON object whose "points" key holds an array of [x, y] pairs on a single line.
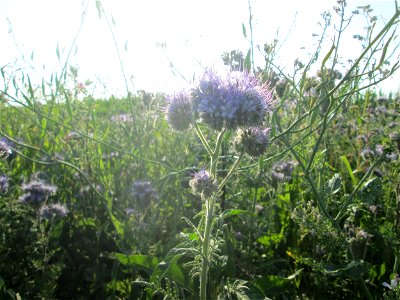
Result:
{"points": [[152, 35]]}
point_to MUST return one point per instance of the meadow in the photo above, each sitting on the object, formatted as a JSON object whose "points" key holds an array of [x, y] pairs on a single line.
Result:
{"points": [[256, 185]]}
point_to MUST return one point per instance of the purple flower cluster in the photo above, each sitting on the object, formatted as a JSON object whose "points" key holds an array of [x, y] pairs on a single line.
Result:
{"points": [[180, 111], [143, 193], [283, 171], [236, 101], [6, 148], [53, 210], [253, 141], [36, 192], [122, 118]]}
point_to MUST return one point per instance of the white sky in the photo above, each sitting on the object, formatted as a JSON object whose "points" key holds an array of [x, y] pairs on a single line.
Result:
{"points": [[190, 34]]}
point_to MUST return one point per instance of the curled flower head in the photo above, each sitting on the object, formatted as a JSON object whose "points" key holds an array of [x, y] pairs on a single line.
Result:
{"points": [[253, 141], [203, 183], [179, 112], [283, 171], [36, 192], [53, 210], [143, 193], [6, 149], [232, 102], [3, 184]]}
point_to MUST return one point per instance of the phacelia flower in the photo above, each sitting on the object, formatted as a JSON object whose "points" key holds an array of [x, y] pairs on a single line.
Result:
{"points": [[253, 141], [36, 192], [6, 148], [143, 193], [3, 184], [283, 171], [179, 112], [53, 210], [203, 183], [232, 102], [122, 118]]}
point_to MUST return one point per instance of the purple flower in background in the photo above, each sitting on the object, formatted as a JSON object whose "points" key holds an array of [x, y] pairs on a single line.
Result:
{"points": [[179, 112], [122, 118], [143, 193], [283, 171], [6, 147], [253, 141], [3, 184], [53, 210], [36, 192], [235, 101]]}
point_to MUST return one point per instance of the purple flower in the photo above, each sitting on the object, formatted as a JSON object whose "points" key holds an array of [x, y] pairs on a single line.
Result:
{"points": [[3, 184], [53, 210], [253, 141], [36, 192], [235, 101], [6, 147], [122, 118], [179, 112], [203, 183], [283, 171], [143, 193]]}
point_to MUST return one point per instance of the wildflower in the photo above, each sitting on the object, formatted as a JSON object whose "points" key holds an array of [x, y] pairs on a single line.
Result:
{"points": [[253, 141], [283, 171], [3, 184], [232, 102], [53, 210], [394, 283], [122, 118], [203, 183], [280, 87], [143, 193], [179, 112], [129, 211], [36, 192], [6, 147], [72, 136]]}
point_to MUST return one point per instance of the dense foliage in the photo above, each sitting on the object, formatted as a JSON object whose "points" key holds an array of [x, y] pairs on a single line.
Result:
{"points": [[103, 199]]}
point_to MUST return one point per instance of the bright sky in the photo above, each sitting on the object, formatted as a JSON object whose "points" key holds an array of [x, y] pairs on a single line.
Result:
{"points": [[153, 34]]}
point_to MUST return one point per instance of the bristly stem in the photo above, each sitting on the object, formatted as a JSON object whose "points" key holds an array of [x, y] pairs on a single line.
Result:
{"points": [[208, 203], [203, 139]]}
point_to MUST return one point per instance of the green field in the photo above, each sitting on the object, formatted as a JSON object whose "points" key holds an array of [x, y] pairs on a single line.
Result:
{"points": [[258, 185]]}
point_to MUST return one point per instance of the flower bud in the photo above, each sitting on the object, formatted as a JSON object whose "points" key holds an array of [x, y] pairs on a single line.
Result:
{"points": [[203, 183], [253, 141]]}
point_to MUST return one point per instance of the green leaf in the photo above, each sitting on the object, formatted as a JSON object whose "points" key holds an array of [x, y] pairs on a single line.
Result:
{"points": [[145, 261], [272, 285], [171, 269], [244, 31], [247, 61], [99, 10], [334, 184], [345, 161], [235, 212]]}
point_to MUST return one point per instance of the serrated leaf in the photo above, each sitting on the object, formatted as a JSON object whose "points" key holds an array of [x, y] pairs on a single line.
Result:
{"points": [[334, 184]]}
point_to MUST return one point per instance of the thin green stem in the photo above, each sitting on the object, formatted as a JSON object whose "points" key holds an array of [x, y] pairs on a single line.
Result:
{"points": [[215, 154], [357, 188], [203, 139], [231, 171]]}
